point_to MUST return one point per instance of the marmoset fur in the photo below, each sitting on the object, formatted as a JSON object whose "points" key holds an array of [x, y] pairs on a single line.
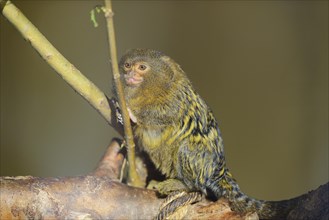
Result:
{"points": [[179, 132]]}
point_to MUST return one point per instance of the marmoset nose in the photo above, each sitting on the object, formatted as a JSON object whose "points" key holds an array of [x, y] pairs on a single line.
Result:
{"points": [[131, 73]]}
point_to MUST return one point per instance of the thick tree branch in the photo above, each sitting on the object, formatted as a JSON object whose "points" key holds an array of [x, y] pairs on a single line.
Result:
{"points": [[79, 197], [101, 196], [96, 196]]}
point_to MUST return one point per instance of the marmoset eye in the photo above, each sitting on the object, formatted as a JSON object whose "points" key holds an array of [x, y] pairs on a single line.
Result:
{"points": [[142, 67], [127, 65]]}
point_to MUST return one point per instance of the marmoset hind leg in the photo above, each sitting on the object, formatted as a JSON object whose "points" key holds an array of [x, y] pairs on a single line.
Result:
{"points": [[177, 200]]}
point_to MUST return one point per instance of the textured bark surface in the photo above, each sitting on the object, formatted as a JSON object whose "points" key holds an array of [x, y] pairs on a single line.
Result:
{"points": [[74, 198], [100, 195]]}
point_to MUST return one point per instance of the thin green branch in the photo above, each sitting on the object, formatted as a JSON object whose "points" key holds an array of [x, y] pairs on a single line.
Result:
{"points": [[58, 62], [133, 176]]}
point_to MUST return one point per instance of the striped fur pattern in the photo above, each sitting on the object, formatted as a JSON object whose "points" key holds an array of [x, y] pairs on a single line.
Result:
{"points": [[181, 135]]}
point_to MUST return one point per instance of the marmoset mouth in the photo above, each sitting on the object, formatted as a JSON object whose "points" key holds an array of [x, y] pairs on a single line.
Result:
{"points": [[133, 80]]}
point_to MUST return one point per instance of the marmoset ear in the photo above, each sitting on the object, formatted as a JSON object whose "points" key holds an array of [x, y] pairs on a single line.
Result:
{"points": [[175, 67]]}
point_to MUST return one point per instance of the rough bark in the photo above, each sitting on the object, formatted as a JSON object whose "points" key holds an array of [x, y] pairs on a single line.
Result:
{"points": [[99, 195]]}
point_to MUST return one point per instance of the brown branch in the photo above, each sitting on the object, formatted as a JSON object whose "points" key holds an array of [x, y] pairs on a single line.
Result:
{"points": [[112, 161], [79, 197], [134, 179], [100, 196], [95, 196]]}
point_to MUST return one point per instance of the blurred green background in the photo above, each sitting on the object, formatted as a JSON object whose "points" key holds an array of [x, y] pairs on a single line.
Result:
{"points": [[262, 66]]}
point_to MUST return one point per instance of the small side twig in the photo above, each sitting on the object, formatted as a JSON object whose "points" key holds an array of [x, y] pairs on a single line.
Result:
{"points": [[133, 176]]}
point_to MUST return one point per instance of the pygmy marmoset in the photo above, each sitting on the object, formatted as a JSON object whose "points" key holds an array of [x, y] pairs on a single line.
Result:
{"points": [[180, 133]]}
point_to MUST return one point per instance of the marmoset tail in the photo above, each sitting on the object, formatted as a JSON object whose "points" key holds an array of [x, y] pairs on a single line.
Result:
{"points": [[180, 133]]}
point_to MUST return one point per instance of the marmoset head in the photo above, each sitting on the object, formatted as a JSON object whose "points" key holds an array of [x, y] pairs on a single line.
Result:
{"points": [[142, 66]]}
